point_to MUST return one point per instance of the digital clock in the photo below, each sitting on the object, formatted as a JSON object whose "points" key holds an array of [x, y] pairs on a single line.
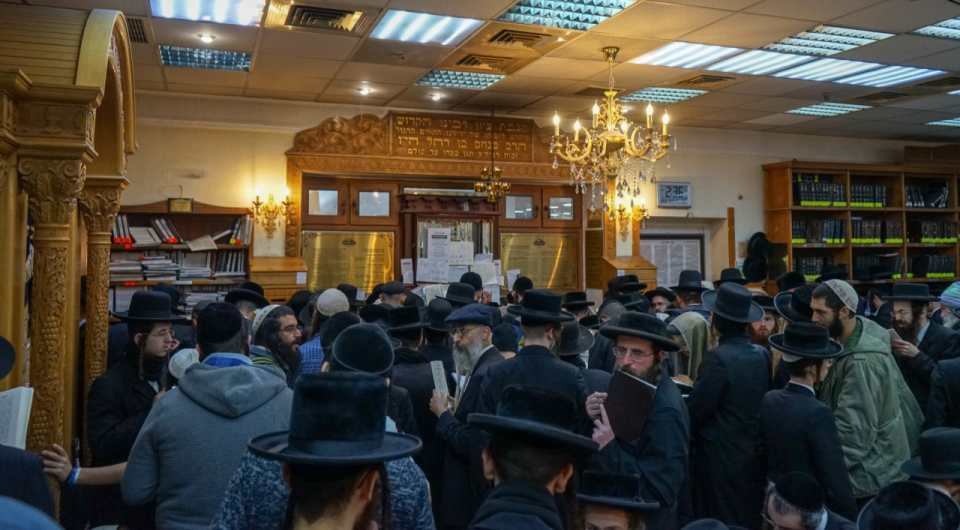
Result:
{"points": [[673, 195]]}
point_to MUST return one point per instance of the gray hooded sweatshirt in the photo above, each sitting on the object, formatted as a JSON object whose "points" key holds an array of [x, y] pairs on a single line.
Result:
{"points": [[195, 435]]}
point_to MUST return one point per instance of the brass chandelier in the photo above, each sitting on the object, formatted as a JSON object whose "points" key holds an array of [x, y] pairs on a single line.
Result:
{"points": [[612, 151], [490, 178]]}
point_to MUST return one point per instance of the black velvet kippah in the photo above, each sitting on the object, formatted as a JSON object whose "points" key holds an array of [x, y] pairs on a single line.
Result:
{"points": [[800, 490], [218, 322]]}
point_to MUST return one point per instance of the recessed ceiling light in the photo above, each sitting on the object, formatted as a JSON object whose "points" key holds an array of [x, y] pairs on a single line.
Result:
{"points": [[663, 95], [827, 69], [436, 97], [364, 91], [685, 55], [948, 29], [827, 40], [239, 12], [579, 15], [953, 122], [756, 62], [828, 109], [424, 28], [210, 59], [455, 79], [890, 76], [206, 37]]}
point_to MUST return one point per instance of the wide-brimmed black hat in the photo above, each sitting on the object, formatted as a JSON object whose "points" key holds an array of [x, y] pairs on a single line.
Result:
{"points": [[755, 269], [176, 297], [832, 272], [634, 302], [522, 284], [576, 300], [350, 291], [879, 272], [730, 275], [710, 524], [939, 456], [540, 306], [404, 319], [335, 325], [614, 489], [373, 313], [535, 414], [911, 292], [436, 311], [733, 302], [642, 326], [660, 291], [250, 291], [460, 294], [374, 294], [149, 306], [758, 245], [414, 300], [628, 283], [337, 419], [8, 357], [689, 281], [298, 302], [473, 280], [764, 301], [806, 340], [590, 321], [364, 348], [790, 280], [574, 339], [909, 505], [795, 306]]}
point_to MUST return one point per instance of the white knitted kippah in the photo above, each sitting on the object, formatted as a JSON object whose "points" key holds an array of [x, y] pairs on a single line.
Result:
{"points": [[260, 316]]}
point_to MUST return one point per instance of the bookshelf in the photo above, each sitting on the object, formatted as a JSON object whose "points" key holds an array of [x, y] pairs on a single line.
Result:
{"points": [[903, 228]]}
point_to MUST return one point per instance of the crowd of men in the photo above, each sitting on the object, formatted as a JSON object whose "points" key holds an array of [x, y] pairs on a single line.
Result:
{"points": [[701, 405]]}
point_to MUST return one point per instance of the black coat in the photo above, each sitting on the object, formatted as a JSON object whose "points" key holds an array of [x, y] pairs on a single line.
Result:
{"points": [[411, 371], [943, 408], [837, 522], [516, 506], [728, 479], [442, 353], [799, 434], [597, 380], [23, 479], [660, 456], [601, 354], [884, 315], [117, 338], [938, 344], [400, 410]]}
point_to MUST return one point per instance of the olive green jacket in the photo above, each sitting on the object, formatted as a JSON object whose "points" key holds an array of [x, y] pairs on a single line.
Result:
{"points": [[877, 417]]}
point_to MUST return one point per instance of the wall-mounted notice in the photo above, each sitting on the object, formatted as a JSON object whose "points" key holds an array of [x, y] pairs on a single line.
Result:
{"points": [[438, 244], [431, 270]]}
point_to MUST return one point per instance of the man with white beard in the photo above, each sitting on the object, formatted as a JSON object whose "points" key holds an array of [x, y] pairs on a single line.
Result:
{"points": [[464, 484]]}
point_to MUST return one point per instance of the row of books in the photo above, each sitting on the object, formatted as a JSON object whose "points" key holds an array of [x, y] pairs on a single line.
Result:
{"points": [[939, 197], [868, 196], [169, 265], [931, 266], [810, 266], [812, 190], [161, 231], [231, 264], [119, 297], [874, 231], [240, 235], [830, 231], [932, 231], [893, 262]]}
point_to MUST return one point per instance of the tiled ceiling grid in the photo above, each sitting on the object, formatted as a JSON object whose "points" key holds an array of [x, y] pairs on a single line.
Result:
{"points": [[743, 89]]}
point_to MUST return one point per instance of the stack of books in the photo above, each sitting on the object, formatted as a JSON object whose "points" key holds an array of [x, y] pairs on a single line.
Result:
{"points": [[866, 231], [196, 266], [868, 196], [240, 234], [125, 270], [120, 296], [195, 296], [814, 190], [231, 264], [159, 269]]}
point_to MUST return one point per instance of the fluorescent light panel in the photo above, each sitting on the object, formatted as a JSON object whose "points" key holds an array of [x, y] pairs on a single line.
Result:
{"points": [[757, 62], [948, 29], [954, 122], [663, 95], [890, 76], [827, 40], [827, 69], [685, 55], [828, 109], [238, 12], [579, 15], [209, 59], [455, 79], [424, 28]]}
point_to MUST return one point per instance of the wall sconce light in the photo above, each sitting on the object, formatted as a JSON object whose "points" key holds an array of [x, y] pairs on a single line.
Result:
{"points": [[639, 214], [266, 214]]}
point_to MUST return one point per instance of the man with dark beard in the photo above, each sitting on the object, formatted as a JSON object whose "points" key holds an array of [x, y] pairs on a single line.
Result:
{"points": [[728, 476], [923, 343], [464, 484], [761, 330], [661, 454], [276, 340]]}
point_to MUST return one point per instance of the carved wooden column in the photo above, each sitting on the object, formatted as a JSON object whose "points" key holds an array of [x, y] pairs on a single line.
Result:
{"points": [[99, 204]]}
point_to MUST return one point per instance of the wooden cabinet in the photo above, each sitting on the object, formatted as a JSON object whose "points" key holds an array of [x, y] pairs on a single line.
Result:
{"points": [[373, 203], [325, 201], [542, 207], [331, 201]]}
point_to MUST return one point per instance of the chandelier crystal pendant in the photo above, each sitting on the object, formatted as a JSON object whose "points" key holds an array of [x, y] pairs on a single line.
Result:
{"points": [[612, 151]]}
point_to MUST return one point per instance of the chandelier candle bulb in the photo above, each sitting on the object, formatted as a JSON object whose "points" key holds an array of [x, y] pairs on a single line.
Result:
{"points": [[666, 120], [556, 122], [576, 130], [596, 114], [649, 115]]}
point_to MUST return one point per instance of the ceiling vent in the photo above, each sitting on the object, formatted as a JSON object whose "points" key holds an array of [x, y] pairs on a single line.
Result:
{"points": [[881, 98], [945, 83], [486, 62], [311, 17], [595, 91], [512, 38], [136, 30], [705, 80]]}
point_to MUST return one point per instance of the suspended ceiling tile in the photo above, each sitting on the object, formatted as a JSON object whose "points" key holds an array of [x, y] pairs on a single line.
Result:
{"points": [[782, 119], [286, 83], [750, 126], [836, 122], [681, 111], [659, 20], [367, 102], [148, 73], [496, 99], [482, 110], [878, 113], [899, 49], [776, 104], [183, 33], [352, 88], [452, 96], [281, 94], [735, 115], [270, 64], [543, 114], [518, 84], [922, 117], [730, 5], [923, 129], [744, 30], [306, 44], [948, 60], [838, 92], [589, 44], [145, 53], [800, 128], [479, 9], [421, 104], [768, 86], [205, 89], [558, 68], [400, 53], [643, 75], [899, 16], [137, 8], [930, 103], [706, 124], [375, 3], [203, 76], [821, 10], [381, 73], [873, 126], [725, 100], [574, 105], [147, 85]]}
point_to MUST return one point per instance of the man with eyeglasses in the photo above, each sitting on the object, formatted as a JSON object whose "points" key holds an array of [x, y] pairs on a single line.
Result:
{"points": [[464, 484], [276, 340]]}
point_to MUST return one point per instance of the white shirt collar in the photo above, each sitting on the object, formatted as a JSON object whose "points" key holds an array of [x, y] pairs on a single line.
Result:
{"points": [[922, 333], [823, 520]]}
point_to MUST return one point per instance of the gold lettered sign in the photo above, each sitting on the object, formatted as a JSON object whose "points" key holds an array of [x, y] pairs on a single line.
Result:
{"points": [[364, 259], [461, 137], [549, 260]]}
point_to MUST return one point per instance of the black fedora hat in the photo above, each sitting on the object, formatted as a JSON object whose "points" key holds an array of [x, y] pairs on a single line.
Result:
{"points": [[437, 310], [880, 272], [764, 301], [576, 300], [755, 269], [634, 302], [642, 326], [806, 340], [8, 357], [176, 297], [404, 318], [733, 302], [911, 292], [539, 305], [758, 245], [414, 300], [790, 280], [149, 306], [614, 489], [909, 505], [795, 306], [350, 291], [337, 419], [660, 291], [730, 275], [628, 283], [574, 339], [832, 272], [689, 281], [374, 294], [298, 302], [590, 321], [939, 455], [460, 294], [537, 415], [373, 313], [249, 291]]}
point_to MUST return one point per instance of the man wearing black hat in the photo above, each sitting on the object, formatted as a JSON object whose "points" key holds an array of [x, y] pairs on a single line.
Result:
{"points": [[660, 454], [730, 275], [938, 465], [533, 452], [118, 335], [909, 506], [809, 441], [464, 484], [761, 330], [724, 406], [621, 285], [793, 306], [613, 501], [922, 343], [393, 293], [881, 310], [350, 291], [123, 396], [520, 286], [601, 355], [247, 297], [796, 501], [689, 290], [943, 408], [476, 281], [436, 334], [460, 294], [661, 299], [576, 303], [789, 281], [507, 340], [575, 340]]}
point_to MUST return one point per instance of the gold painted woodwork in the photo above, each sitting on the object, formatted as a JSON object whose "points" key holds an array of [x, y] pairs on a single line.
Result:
{"points": [[13, 230]]}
